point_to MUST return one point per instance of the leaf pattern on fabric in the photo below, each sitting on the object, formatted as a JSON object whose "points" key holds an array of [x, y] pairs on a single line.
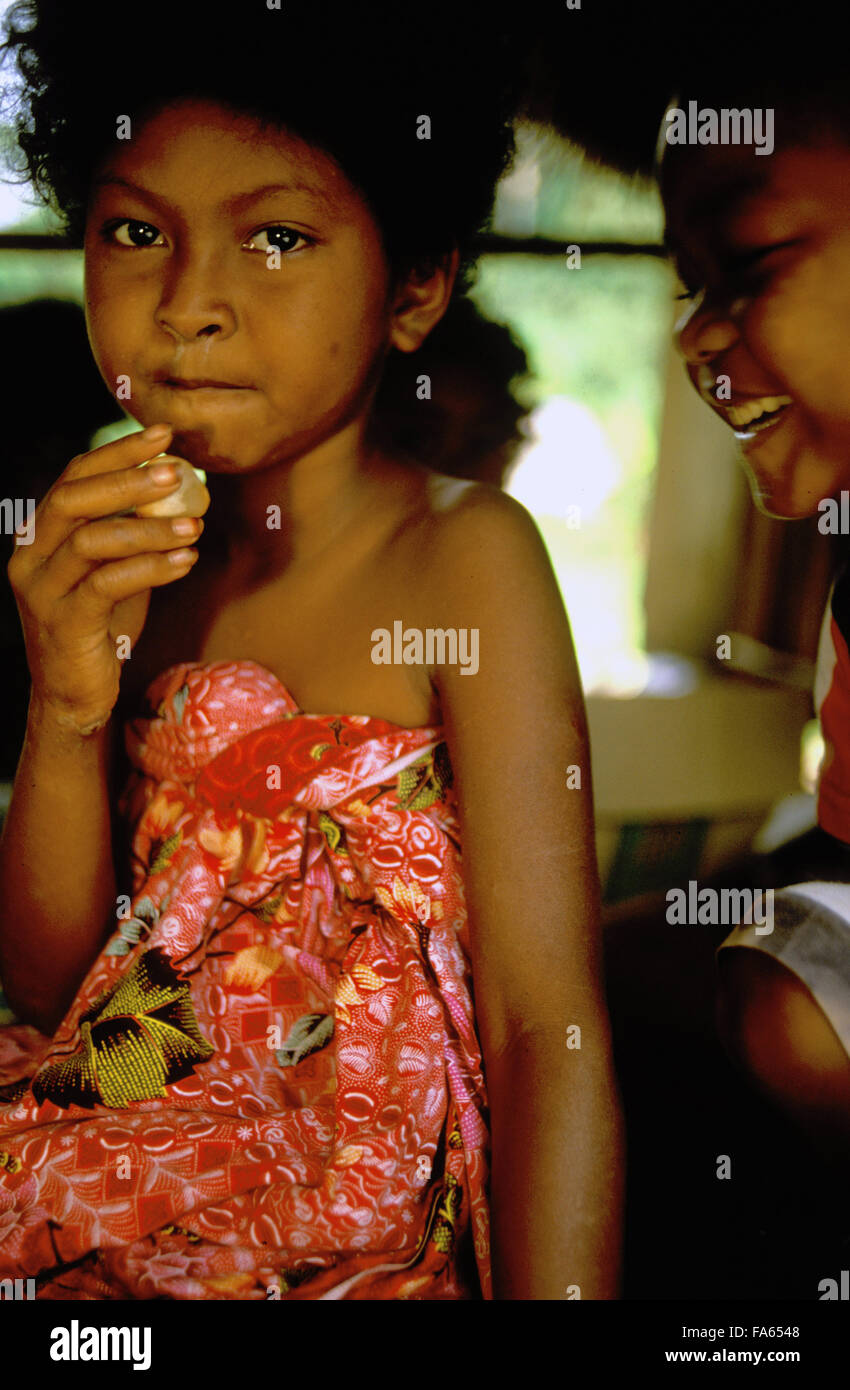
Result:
{"points": [[309, 1033], [266, 911], [346, 994], [448, 1212], [250, 968], [426, 780], [163, 851], [137, 1039], [132, 930], [333, 833], [147, 911], [122, 944]]}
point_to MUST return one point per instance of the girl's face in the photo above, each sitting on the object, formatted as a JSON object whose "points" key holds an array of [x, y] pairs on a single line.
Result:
{"points": [[763, 242], [220, 252]]}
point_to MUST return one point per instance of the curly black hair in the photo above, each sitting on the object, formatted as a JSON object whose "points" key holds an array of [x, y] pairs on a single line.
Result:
{"points": [[472, 424], [353, 81]]}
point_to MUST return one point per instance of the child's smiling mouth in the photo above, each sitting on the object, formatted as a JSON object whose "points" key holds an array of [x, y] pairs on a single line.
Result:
{"points": [[749, 417]]}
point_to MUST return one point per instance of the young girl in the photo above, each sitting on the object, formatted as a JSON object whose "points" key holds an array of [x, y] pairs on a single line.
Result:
{"points": [[763, 245], [252, 1067]]}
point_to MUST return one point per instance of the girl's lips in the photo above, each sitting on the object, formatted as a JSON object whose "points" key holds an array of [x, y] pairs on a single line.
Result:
{"points": [[747, 413], [181, 397], [748, 434], [204, 385], [752, 416]]}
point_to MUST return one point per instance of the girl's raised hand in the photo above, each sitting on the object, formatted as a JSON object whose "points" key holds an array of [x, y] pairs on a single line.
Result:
{"points": [[85, 581]]}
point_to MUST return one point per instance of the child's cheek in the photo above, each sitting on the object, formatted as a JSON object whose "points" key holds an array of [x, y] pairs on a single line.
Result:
{"points": [[812, 308], [795, 334], [97, 337], [104, 352], [110, 350]]}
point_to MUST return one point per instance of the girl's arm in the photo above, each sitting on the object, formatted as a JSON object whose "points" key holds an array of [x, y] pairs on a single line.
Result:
{"points": [[83, 581], [57, 883], [517, 738]]}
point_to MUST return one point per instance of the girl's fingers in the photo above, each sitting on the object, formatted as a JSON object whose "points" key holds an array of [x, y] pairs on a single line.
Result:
{"points": [[117, 538], [99, 483], [72, 504], [110, 584], [132, 449]]}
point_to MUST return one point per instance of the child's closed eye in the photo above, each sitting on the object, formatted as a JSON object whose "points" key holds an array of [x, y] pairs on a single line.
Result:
{"points": [[739, 262], [737, 267]]}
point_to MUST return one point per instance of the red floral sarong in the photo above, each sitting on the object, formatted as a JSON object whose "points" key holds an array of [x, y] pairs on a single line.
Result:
{"points": [[270, 1083]]}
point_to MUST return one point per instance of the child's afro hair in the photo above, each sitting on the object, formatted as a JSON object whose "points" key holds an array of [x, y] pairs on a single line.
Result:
{"points": [[352, 80]]}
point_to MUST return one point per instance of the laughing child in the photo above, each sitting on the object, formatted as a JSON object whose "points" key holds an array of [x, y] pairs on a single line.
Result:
{"points": [[762, 245], [249, 1064]]}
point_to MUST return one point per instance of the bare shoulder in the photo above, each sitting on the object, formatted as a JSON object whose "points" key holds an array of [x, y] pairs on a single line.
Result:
{"points": [[451, 501], [465, 529], [479, 567]]}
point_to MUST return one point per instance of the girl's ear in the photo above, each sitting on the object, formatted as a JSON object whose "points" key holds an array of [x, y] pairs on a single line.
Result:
{"points": [[420, 302]]}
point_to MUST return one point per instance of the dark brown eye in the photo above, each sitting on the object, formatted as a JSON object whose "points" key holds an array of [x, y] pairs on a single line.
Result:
{"points": [[134, 233], [278, 238]]}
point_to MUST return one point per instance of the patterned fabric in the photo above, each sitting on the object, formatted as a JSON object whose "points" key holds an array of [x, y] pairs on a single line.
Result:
{"points": [[269, 1084]]}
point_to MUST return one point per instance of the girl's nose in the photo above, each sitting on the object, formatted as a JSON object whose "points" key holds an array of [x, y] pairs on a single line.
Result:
{"points": [[705, 329], [192, 304]]}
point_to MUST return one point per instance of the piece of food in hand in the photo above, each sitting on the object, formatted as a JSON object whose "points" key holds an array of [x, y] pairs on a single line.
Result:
{"points": [[190, 499]]}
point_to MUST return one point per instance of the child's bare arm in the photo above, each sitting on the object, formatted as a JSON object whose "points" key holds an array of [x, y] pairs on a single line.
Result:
{"points": [[515, 729], [57, 882], [84, 582]]}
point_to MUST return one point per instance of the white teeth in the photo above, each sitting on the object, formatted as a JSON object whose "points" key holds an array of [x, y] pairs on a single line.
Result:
{"points": [[740, 415]]}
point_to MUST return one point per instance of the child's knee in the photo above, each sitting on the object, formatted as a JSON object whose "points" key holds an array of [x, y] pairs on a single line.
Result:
{"points": [[772, 1026]]}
